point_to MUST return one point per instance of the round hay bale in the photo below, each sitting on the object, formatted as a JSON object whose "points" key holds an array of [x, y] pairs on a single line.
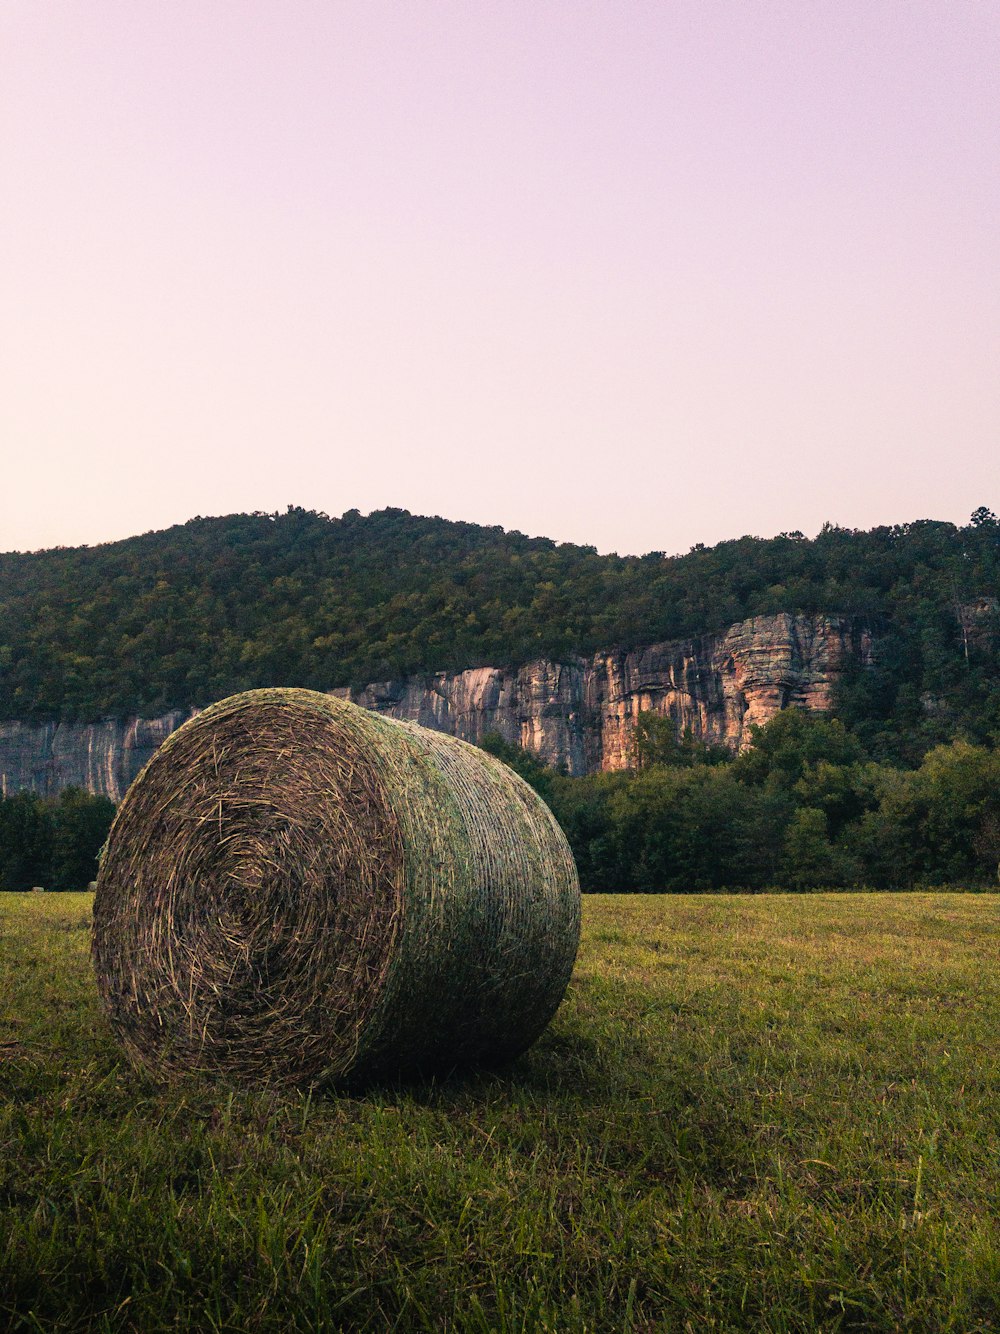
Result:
{"points": [[298, 890]]}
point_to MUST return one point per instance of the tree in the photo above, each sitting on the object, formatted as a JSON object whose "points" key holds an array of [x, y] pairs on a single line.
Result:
{"points": [[584, 809], [783, 749], [681, 829], [526, 766], [657, 742], [811, 860], [52, 842], [80, 824], [959, 786], [25, 842]]}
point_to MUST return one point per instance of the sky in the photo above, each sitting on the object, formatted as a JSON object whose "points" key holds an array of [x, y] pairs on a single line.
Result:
{"points": [[634, 275]]}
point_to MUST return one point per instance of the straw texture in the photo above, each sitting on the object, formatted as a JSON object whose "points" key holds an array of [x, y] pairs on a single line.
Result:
{"points": [[298, 890]]}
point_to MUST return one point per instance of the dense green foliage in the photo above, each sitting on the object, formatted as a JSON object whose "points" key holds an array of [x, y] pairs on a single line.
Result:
{"points": [[763, 1114], [213, 606], [802, 808], [901, 793], [52, 843]]}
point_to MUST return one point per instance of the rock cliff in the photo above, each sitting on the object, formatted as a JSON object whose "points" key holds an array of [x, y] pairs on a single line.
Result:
{"points": [[101, 757], [580, 713]]}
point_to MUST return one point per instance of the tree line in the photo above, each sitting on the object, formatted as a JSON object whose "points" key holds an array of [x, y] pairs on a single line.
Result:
{"points": [[803, 808], [186, 616], [52, 842]]}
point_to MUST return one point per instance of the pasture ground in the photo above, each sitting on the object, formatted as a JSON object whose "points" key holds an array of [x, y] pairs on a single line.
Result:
{"points": [[773, 1113]]}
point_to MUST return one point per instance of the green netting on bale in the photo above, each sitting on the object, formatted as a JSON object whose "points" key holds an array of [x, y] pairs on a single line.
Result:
{"points": [[300, 890]]}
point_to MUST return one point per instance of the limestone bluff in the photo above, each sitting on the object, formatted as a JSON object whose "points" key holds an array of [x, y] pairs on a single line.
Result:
{"points": [[579, 712]]}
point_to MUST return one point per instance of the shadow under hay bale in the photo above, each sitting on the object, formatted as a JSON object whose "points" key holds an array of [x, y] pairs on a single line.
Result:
{"points": [[296, 889]]}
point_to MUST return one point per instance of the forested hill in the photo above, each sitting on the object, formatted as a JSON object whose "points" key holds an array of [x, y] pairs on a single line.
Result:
{"points": [[212, 606]]}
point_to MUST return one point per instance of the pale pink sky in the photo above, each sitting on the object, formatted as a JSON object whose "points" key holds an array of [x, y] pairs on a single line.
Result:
{"points": [[631, 274]]}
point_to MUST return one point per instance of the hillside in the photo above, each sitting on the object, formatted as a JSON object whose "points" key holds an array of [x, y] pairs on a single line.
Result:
{"points": [[177, 618]]}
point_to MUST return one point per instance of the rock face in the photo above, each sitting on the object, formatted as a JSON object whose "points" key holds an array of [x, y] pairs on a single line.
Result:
{"points": [[580, 713], [101, 757]]}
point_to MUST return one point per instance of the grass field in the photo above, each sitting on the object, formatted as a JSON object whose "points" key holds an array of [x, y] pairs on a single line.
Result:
{"points": [[767, 1113]]}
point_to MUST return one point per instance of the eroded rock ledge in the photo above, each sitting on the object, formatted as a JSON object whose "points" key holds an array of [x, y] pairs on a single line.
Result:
{"points": [[580, 713]]}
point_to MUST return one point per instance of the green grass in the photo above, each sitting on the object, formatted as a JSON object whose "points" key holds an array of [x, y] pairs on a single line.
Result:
{"points": [[771, 1113]]}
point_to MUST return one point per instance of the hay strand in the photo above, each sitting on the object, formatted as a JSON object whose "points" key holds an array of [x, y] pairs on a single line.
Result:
{"points": [[298, 890]]}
